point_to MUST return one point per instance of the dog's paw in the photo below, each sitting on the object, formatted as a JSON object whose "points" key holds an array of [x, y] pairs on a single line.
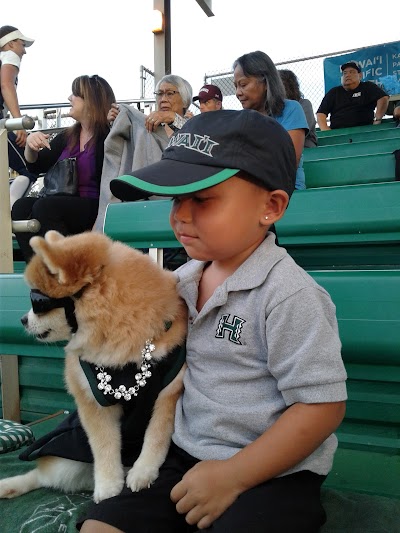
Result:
{"points": [[141, 476], [102, 491], [10, 489]]}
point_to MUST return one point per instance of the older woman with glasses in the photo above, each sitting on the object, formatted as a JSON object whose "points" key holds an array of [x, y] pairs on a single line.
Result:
{"points": [[90, 100], [137, 140], [173, 97]]}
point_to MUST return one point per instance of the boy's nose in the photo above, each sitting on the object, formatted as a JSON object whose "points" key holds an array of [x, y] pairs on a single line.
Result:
{"points": [[182, 210]]}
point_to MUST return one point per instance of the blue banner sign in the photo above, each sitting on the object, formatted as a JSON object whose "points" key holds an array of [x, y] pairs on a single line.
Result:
{"points": [[379, 64]]}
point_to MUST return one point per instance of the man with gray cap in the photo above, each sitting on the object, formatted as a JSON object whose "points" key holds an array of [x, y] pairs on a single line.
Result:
{"points": [[12, 48], [353, 102]]}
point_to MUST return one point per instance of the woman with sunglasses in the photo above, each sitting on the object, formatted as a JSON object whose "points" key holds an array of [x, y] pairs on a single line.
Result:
{"points": [[90, 100]]}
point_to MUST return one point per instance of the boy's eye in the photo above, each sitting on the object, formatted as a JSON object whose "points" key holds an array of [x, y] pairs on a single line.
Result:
{"points": [[199, 199]]}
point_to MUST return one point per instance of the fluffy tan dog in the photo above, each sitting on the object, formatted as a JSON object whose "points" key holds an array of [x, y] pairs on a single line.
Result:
{"points": [[114, 306]]}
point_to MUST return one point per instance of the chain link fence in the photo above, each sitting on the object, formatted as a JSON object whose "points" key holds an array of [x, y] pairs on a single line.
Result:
{"points": [[309, 71], [147, 85]]}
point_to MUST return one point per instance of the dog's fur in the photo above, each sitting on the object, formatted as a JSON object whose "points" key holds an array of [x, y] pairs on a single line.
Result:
{"points": [[126, 299]]}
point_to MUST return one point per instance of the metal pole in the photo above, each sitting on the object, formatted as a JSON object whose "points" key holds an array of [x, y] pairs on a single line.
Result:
{"points": [[159, 46], [6, 252], [6, 256], [167, 24], [8, 363]]}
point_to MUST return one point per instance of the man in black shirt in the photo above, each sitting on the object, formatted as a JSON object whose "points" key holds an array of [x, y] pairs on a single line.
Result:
{"points": [[353, 102]]}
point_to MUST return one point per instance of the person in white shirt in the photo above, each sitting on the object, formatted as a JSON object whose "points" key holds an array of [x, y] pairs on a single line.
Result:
{"points": [[13, 46]]}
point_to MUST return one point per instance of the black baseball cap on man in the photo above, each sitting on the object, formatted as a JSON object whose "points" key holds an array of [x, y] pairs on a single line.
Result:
{"points": [[211, 148], [351, 64]]}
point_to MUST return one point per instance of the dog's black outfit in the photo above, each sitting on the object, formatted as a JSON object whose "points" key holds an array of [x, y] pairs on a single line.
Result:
{"points": [[69, 439]]}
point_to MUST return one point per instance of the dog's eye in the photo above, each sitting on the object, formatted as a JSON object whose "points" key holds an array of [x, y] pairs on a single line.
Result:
{"points": [[41, 303]]}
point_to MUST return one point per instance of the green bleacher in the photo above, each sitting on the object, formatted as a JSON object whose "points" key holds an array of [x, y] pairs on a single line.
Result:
{"points": [[353, 156]]}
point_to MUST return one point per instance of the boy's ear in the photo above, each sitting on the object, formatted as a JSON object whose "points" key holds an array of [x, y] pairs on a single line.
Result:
{"points": [[275, 207]]}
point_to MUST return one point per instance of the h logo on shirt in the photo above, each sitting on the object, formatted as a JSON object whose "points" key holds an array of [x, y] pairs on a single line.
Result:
{"points": [[233, 328]]}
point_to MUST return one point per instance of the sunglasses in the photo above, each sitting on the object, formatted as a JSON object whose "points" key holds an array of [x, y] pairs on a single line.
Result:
{"points": [[41, 303]]}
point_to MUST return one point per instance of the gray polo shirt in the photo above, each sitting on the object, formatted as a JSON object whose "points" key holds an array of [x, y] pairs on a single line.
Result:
{"points": [[266, 339]]}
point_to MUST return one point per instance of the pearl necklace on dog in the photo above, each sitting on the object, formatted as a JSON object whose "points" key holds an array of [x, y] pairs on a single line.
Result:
{"points": [[140, 377]]}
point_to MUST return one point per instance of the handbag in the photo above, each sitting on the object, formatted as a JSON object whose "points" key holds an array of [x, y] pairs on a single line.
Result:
{"points": [[61, 179]]}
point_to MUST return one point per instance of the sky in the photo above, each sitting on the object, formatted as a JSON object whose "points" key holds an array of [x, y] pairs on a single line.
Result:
{"points": [[113, 39]]}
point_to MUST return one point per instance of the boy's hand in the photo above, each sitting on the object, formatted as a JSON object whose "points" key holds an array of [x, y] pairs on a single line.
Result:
{"points": [[205, 492]]}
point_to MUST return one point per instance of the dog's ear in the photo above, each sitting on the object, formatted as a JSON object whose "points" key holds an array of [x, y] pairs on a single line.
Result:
{"points": [[44, 249], [53, 236]]}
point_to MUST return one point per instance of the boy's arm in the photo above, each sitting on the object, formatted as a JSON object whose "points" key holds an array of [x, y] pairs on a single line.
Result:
{"points": [[210, 487]]}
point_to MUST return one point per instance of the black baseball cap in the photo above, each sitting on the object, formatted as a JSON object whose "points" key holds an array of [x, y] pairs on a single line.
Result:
{"points": [[211, 148], [351, 64]]}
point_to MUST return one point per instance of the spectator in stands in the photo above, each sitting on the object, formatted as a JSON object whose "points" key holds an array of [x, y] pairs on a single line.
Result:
{"points": [[396, 114], [90, 100], [137, 140], [353, 102], [292, 89], [173, 98], [209, 98], [259, 86], [265, 382], [13, 46]]}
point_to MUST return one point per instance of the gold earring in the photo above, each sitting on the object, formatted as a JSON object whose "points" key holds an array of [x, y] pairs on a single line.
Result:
{"points": [[266, 218]]}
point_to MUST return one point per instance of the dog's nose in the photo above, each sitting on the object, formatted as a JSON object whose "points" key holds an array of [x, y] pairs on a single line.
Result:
{"points": [[24, 320]]}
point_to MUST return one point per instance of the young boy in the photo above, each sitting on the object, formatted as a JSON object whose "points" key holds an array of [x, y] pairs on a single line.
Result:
{"points": [[265, 383]]}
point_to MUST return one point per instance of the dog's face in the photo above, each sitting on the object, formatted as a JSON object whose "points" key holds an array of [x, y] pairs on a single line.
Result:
{"points": [[50, 326], [56, 274], [102, 296]]}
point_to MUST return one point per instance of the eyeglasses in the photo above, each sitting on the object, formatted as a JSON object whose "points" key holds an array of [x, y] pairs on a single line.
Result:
{"points": [[168, 94]]}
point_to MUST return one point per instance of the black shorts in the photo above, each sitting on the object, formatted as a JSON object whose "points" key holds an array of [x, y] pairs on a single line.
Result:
{"points": [[288, 504]]}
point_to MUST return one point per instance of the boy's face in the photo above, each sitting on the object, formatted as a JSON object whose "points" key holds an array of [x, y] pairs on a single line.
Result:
{"points": [[224, 223]]}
